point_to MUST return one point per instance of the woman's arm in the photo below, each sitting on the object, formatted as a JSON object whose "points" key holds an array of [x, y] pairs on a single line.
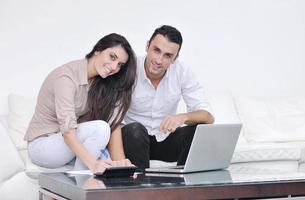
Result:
{"points": [[82, 153], [115, 145]]}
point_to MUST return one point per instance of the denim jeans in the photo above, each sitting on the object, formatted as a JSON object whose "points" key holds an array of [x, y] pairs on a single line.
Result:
{"points": [[51, 151]]}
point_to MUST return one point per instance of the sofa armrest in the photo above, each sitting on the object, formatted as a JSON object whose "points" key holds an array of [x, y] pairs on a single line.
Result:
{"points": [[11, 162]]}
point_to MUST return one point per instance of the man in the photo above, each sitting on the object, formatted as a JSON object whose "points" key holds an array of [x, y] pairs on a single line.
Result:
{"points": [[153, 130]]}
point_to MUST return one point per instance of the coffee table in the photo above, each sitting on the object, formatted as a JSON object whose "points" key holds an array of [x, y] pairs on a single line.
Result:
{"points": [[222, 184]]}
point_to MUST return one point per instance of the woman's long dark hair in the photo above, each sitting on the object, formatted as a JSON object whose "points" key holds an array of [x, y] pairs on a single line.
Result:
{"points": [[109, 98]]}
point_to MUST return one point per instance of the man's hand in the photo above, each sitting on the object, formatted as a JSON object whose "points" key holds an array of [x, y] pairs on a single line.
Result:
{"points": [[171, 123]]}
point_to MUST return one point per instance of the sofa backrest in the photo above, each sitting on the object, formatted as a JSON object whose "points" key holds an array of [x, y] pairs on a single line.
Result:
{"points": [[276, 119]]}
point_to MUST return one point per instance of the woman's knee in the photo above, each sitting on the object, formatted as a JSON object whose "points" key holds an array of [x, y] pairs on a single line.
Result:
{"points": [[97, 131], [102, 131]]}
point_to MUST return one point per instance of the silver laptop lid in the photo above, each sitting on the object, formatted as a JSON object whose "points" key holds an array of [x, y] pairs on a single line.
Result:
{"points": [[212, 147]]}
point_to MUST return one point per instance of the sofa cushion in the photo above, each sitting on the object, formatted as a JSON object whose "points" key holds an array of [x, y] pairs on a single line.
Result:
{"points": [[21, 110], [223, 107], [302, 167], [20, 186], [302, 160], [11, 163], [272, 171], [253, 152], [272, 119], [261, 166]]}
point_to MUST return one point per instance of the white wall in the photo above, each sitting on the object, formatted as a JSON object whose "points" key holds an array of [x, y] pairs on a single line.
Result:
{"points": [[249, 47]]}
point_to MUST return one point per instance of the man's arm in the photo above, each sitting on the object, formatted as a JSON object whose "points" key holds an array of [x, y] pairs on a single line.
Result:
{"points": [[171, 123], [115, 145], [199, 117], [195, 100]]}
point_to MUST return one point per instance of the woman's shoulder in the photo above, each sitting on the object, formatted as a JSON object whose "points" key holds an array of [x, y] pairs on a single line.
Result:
{"points": [[74, 63], [72, 69], [72, 66], [74, 72]]}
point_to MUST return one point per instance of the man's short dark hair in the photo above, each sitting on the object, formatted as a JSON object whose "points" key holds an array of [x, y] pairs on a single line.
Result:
{"points": [[171, 33]]}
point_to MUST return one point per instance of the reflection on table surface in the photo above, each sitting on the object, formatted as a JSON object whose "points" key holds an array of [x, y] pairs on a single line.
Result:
{"points": [[234, 175]]}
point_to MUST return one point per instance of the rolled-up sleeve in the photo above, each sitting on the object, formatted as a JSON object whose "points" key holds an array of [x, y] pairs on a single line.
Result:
{"points": [[64, 91], [193, 93]]}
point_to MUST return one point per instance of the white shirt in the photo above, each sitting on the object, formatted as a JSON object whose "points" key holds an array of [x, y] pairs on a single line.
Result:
{"points": [[150, 106]]}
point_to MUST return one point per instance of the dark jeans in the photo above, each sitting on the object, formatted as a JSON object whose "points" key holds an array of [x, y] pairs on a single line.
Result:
{"points": [[139, 147]]}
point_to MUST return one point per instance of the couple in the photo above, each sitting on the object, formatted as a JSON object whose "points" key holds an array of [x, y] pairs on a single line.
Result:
{"points": [[111, 99]]}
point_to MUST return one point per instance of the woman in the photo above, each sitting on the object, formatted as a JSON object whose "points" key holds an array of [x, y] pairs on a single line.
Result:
{"points": [[76, 103]]}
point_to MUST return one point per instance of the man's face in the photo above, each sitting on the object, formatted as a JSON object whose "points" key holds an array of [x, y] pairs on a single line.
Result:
{"points": [[161, 53]]}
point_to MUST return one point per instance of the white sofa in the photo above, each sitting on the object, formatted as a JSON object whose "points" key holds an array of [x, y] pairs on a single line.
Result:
{"points": [[19, 176], [273, 132], [273, 137]]}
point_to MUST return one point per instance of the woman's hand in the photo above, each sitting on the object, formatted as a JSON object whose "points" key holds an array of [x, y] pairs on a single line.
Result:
{"points": [[120, 163], [101, 165]]}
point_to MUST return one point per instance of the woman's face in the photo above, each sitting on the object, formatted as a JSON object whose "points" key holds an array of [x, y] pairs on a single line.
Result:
{"points": [[109, 61]]}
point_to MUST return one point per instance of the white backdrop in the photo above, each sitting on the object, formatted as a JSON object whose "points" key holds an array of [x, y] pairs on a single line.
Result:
{"points": [[252, 47]]}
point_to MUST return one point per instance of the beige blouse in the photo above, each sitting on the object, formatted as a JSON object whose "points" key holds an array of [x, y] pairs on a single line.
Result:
{"points": [[61, 100]]}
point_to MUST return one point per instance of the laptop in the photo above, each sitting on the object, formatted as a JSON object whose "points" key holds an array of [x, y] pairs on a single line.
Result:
{"points": [[212, 148]]}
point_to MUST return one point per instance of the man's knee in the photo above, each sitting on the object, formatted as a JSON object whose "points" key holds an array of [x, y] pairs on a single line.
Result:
{"points": [[186, 133], [136, 144], [135, 131]]}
